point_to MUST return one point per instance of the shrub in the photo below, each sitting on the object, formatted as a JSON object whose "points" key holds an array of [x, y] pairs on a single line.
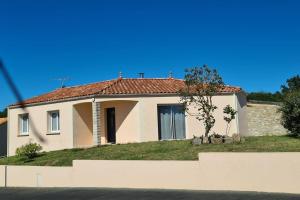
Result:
{"points": [[290, 110], [230, 115], [29, 151]]}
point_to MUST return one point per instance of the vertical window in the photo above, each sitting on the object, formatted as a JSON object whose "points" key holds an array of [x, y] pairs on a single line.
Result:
{"points": [[24, 124], [54, 125], [171, 122]]}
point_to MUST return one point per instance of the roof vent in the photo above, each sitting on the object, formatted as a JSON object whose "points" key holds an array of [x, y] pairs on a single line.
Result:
{"points": [[120, 74], [141, 74], [170, 74]]}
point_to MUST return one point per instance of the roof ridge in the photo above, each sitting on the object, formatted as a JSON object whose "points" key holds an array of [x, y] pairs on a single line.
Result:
{"points": [[232, 86], [114, 82], [105, 81], [151, 78]]}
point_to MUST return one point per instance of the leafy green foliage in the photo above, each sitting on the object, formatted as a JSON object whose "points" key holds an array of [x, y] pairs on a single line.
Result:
{"points": [[290, 110], [292, 85], [290, 107], [29, 151], [201, 84], [3, 113], [265, 96], [229, 116]]}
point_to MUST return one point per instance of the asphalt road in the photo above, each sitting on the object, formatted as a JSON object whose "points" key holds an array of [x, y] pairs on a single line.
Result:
{"points": [[130, 194]]}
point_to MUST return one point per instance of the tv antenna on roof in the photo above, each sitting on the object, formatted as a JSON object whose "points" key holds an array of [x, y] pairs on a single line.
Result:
{"points": [[62, 81]]}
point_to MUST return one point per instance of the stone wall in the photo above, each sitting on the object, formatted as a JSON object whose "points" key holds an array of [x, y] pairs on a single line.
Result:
{"points": [[263, 119]]}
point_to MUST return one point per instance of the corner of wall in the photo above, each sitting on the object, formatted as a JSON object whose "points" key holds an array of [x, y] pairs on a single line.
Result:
{"points": [[7, 132]]}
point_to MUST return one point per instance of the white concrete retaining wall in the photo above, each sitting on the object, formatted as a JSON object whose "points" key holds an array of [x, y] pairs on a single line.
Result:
{"points": [[266, 172]]}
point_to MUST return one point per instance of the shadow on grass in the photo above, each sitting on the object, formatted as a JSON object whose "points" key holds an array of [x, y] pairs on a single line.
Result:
{"points": [[29, 160], [296, 136]]}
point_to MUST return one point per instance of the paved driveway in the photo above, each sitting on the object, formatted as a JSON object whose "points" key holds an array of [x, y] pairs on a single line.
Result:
{"points": [[130, 194]]}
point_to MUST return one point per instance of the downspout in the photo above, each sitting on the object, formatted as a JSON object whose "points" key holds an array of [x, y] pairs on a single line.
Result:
{"points": [[237, 114]]}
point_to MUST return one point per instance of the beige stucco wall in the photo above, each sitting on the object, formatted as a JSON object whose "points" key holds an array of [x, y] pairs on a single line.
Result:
{"points": [[136, 121], [149, 121], [38, 126], [126, 116], [83, 125], [140, 122], [267, 172], [137, 174], [264, 172], [34, 176]]}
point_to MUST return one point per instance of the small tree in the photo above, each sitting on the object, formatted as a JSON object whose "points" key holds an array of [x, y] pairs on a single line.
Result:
{"points": [[292, 85], [230, 115], [201, 84], [290, 109]]}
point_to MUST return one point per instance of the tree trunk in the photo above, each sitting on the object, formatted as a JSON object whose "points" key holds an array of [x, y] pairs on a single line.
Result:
{"points": [[207, 129]]}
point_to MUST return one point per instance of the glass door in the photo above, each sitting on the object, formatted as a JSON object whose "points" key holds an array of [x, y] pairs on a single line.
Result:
{"points": [[171, 122]]}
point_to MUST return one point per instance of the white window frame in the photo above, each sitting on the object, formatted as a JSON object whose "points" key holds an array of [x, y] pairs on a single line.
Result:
{"points": [[50, 122], [21, 123]]}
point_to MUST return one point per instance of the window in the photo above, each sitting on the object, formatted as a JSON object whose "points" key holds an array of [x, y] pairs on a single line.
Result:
{"points": [[171, 122], [54, 125], [24, 124]]}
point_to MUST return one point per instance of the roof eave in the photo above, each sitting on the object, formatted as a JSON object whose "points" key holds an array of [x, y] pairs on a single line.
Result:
{"points": [[107, 96]]}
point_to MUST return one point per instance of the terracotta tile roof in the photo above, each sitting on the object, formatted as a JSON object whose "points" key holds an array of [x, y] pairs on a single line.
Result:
{"points": [[122, 86], [144, 86], [3, 120], [70, 92]]}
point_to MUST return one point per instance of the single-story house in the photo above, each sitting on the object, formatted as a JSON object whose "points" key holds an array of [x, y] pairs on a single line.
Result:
{"points": [[122, 110], [3, 136]]}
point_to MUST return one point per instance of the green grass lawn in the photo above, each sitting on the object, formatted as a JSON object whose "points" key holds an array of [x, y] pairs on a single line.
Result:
{"points": [[162, 150]]}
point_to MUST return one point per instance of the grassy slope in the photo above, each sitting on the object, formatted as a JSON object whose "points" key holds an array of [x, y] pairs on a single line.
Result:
{"points": [[163, 150]]}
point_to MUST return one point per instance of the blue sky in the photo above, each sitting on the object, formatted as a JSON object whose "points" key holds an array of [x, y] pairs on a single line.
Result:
{"points": [[253, 44]]}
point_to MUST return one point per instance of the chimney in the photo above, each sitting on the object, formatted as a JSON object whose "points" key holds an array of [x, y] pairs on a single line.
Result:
{"points": [[141, 75]]}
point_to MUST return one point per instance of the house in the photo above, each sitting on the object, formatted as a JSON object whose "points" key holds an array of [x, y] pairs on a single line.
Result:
{"points": [[3, 136], [122, 110]]}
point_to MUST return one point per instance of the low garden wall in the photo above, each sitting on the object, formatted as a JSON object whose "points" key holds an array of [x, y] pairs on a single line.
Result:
{"points": [[266, 172]]}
